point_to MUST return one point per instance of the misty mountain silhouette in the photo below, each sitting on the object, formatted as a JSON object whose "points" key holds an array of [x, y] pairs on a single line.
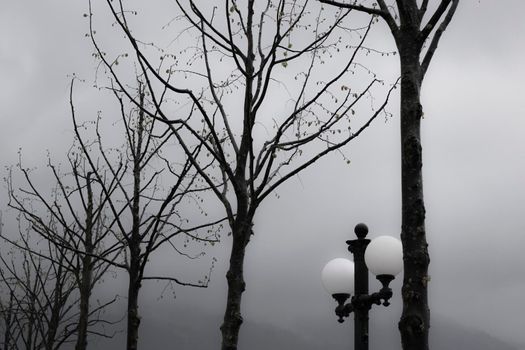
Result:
{"points": [[193, 329]]}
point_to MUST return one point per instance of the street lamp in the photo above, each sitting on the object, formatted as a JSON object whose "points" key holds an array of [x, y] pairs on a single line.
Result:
{"points": [[383, 256]]}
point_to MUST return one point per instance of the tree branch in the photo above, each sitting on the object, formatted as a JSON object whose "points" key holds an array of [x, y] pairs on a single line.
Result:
{"points": [[432, 22], [382, 12], [435, 40]]}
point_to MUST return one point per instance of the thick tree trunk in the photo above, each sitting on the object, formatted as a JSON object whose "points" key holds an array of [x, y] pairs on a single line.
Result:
{"points": [[236, 285], [414, 324], [242, 224], [133, 307]]}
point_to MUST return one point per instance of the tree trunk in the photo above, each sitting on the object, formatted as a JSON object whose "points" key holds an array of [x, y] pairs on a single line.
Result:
{"points": [[414, 324], [55, 307], [242, 224], [85, 293], [134, 271], [87, 270], [30, 324], [8, 320], [236, 285], [133, 306]]}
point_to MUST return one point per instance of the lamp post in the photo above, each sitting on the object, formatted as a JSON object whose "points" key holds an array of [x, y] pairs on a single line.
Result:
{"points": [[383, 256]]}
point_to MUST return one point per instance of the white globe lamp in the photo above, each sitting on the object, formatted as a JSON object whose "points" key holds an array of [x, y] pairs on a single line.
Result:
{"points": [[338, 276], [384, 256]]}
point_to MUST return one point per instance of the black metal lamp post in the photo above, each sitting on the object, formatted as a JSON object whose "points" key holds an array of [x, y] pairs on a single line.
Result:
{"points": [[383, 257]]}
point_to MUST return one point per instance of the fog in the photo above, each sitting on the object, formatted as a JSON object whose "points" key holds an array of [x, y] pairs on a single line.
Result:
{"points": [[474, 172]]}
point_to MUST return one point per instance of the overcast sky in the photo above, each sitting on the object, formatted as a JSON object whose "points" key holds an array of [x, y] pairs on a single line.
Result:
{"points": [[474, 167]]}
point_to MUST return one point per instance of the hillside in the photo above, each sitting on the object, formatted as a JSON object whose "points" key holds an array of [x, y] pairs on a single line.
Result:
{"points": [[188, 329]]}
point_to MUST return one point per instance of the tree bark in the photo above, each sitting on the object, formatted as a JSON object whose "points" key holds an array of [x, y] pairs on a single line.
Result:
{"points": [[236, 285], [85, 293], [414, 323], [8, 319], [134, 272], [133, 306], [242, 224], [87, 271], [134, 241], [55, 307]]}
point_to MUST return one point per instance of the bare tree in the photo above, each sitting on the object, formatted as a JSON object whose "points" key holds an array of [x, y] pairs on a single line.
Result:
{"points": [[7, 310], [228, 86], [41, 307], [109, 210], [144, 215], [416, 33], [74, 235]]}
